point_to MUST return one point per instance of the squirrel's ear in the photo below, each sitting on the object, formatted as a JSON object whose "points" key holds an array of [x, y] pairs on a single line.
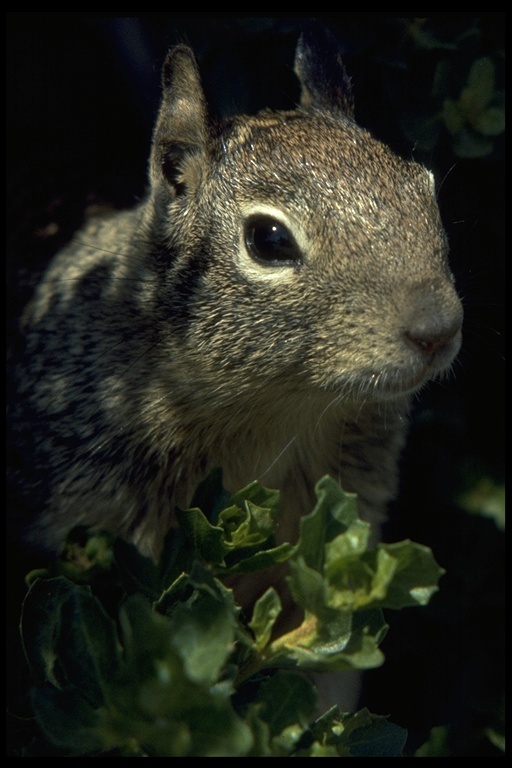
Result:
{"points": [[325, 84], [180, 138]]}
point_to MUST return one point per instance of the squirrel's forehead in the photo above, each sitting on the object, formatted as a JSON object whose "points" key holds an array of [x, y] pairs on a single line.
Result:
{"points": [[326, 166], [318, 148]]}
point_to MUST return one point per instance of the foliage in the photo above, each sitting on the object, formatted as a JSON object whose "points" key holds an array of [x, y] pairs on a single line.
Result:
{"points": [[465, 99], [129, 658]]}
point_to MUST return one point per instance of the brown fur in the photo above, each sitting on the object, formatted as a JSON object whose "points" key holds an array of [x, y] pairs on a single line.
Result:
{"points": [[158, 347]]}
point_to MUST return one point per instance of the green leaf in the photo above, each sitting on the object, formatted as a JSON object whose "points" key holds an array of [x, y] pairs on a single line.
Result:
{"points": [[88, 647], [335, 574], [247, 527], [85, 555], [496, 738], [487, 498], [334, 512], [259, 561], [479, 112], [490, 122], [359, 734], [415, 578], [162, 701], [346, 641], [425, 38], [468, 143], [40, 626], [287, 699], [453, 116], [177, 557], [391, 576], [136, 572], [67, 720], [203, 632], [207, 540], [258, 495], [480, 85], [152, 679], [260, 732], [436, 745], [375, 737], [264, 615], [160, 681], [211, 496], [69, 639], [308, 587], [236, 541]]}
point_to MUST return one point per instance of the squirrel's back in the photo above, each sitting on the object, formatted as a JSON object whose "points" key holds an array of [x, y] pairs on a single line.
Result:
{"points": [[268, 309]]}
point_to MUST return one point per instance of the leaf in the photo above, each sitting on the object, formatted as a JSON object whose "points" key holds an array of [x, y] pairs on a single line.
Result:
{"points": [[490, 122], [265, 612], [436, 745], [203, 633], [88, 647], [160, 681], [151, 677], [391, 576], [347, 641], [69, 639], [259, 561], [40, 626], [85, 555], [258, 495], [359, 734], [486, 497], [247, 527], [287, 699], [453, 116], [207, 540], [480, 85], [416, 575], [308, 588], [479, 112], [136, 572], [468, 143], [177, 557], [376, 737], [260, 732], [242, 540], [333, 513], [211, 496], [67, 720], [424, 38], [496, 738]]}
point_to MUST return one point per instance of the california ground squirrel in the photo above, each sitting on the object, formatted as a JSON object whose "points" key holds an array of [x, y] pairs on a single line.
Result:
{"points": [[269, 308]]}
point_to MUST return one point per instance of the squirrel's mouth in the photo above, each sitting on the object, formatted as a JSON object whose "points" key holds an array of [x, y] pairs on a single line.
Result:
{"points": [[389, 383]]}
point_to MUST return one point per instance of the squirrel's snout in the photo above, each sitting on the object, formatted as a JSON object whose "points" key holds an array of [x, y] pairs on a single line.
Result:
{"points": [[437, 338]]}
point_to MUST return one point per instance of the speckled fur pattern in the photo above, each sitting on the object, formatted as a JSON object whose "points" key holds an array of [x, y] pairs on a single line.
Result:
{"points": [[159, 347]]}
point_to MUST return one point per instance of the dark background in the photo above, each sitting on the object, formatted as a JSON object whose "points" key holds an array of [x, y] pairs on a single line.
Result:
{"points": [[82, 94]]}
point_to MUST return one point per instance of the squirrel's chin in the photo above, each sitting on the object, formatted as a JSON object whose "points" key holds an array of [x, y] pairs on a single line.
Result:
{"points": [[391, 384]]}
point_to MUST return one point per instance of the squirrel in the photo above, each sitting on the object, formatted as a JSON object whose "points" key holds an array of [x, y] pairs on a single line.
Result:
{"points": [[270, 308]]}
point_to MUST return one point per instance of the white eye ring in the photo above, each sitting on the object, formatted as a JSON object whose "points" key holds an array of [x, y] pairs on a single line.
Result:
{"points": [[255, 267]]}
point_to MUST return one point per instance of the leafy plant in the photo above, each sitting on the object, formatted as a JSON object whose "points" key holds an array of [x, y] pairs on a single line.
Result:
{"points": [[129, 658], [466, 104]]}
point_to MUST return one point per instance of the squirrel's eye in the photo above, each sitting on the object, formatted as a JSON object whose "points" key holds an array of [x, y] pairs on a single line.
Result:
{"points": [[268, 240]]}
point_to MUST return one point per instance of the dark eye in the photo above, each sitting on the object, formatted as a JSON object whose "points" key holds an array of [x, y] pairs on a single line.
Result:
{"points": [[269, 241]]}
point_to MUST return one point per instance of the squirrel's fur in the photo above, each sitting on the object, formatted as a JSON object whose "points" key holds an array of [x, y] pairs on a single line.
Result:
{"points": [[269, 309]]}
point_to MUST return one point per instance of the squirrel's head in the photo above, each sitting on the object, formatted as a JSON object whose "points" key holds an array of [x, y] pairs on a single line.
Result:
{"points": [[294, 248]]}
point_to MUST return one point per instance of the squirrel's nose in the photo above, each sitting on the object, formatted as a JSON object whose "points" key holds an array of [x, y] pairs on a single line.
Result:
{"points": [[433, 338]]}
